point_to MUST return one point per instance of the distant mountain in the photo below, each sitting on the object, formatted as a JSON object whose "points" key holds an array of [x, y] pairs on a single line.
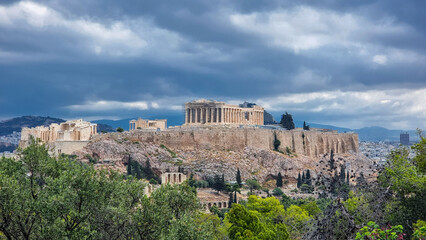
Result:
{"points": [[16, 124], [123, 123], [375, 134], [299, 124], [105, 128], [370, 134]]}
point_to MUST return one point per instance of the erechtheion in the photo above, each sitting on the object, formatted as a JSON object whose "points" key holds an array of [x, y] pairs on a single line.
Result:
{"points": [[160, 124]]}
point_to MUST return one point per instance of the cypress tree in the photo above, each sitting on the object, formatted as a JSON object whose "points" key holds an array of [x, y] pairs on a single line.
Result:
{"points": [[305, 127], [238, 178], [303, 178], [147, 170], [222, 182], [216, 183], [129, 166], [279, 180], [287, 121], [308, 177], [231, 199], [137, 167], [235, 197], [332, 159], [342, 173], [299, 181], [347, 178]]}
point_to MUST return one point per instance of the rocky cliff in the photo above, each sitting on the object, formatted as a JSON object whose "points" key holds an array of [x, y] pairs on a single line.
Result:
{"points": [[307, 143], [206, 152]]}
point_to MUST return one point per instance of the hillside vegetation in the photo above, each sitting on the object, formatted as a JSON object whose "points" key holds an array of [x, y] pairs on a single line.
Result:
{"points": [[42, 197]]}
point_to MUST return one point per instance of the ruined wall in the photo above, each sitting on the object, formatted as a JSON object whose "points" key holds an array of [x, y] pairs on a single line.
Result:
{"points": [[309, 143], [66, 147]]}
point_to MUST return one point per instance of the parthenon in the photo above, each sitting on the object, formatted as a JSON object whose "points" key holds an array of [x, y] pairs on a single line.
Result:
{"points": [[212, 112]]}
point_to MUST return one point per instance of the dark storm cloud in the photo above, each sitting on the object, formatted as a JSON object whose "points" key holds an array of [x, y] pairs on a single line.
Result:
{"points": [[115, 58]]}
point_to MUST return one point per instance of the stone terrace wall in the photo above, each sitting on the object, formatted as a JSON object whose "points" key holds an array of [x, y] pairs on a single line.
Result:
{"points": [[309, 143]]}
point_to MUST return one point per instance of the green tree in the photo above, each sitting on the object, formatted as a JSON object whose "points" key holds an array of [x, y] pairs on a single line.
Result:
{"points": [[298, 221], [374, 232], [299, 181], [253, 184], [257, 222], [342, 173], [420, 158], [305, 127], [312, 208], [405, 179], [279, 180], [332, 159], [129, 166], [358, 207], [286, 201], [238, 178], [119, 129], [219, 183], [277, 192], [347, 178], [287, 121], [308, 177], [269, 208], [148, 172], [42, 197]]}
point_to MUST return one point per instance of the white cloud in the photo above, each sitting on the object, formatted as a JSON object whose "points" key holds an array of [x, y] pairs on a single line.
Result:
{"points": [[100, 106], [380, 59], [107, 105], [305, 28], [402, 108], [309, 78], [138, 37], [115, 39]]}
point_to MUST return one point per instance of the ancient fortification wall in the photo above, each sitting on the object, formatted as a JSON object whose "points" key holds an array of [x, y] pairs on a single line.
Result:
{"points": [[309, 143], [67, 147]]}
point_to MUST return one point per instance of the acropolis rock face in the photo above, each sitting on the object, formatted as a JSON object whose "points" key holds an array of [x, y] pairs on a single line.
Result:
{"points": [[210, 151], [307, 143]]}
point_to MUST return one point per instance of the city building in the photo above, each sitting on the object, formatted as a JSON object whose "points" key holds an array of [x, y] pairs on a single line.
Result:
{"points": [[404, 138]]}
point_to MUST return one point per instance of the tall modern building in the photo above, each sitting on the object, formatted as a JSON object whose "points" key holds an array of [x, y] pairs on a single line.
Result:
{"points": [[404, 138]]}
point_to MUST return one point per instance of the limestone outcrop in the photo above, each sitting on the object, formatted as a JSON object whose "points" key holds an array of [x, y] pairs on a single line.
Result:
{"points": [[307, 143], [206, 152]]}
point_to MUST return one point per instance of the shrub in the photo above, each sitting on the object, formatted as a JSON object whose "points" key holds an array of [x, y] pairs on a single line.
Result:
{"points": [[373, 231], [277, 192]]}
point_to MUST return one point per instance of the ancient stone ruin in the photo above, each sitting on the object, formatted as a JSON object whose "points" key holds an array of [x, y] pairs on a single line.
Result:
{"points": [[210, 112], [66, 137], [158, 124]]}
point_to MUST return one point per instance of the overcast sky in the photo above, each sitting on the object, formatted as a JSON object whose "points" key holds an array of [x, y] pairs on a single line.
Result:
{"points": [[347, 63]]}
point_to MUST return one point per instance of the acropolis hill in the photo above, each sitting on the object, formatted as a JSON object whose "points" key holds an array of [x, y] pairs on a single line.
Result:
{"points": [[221, 138]]}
